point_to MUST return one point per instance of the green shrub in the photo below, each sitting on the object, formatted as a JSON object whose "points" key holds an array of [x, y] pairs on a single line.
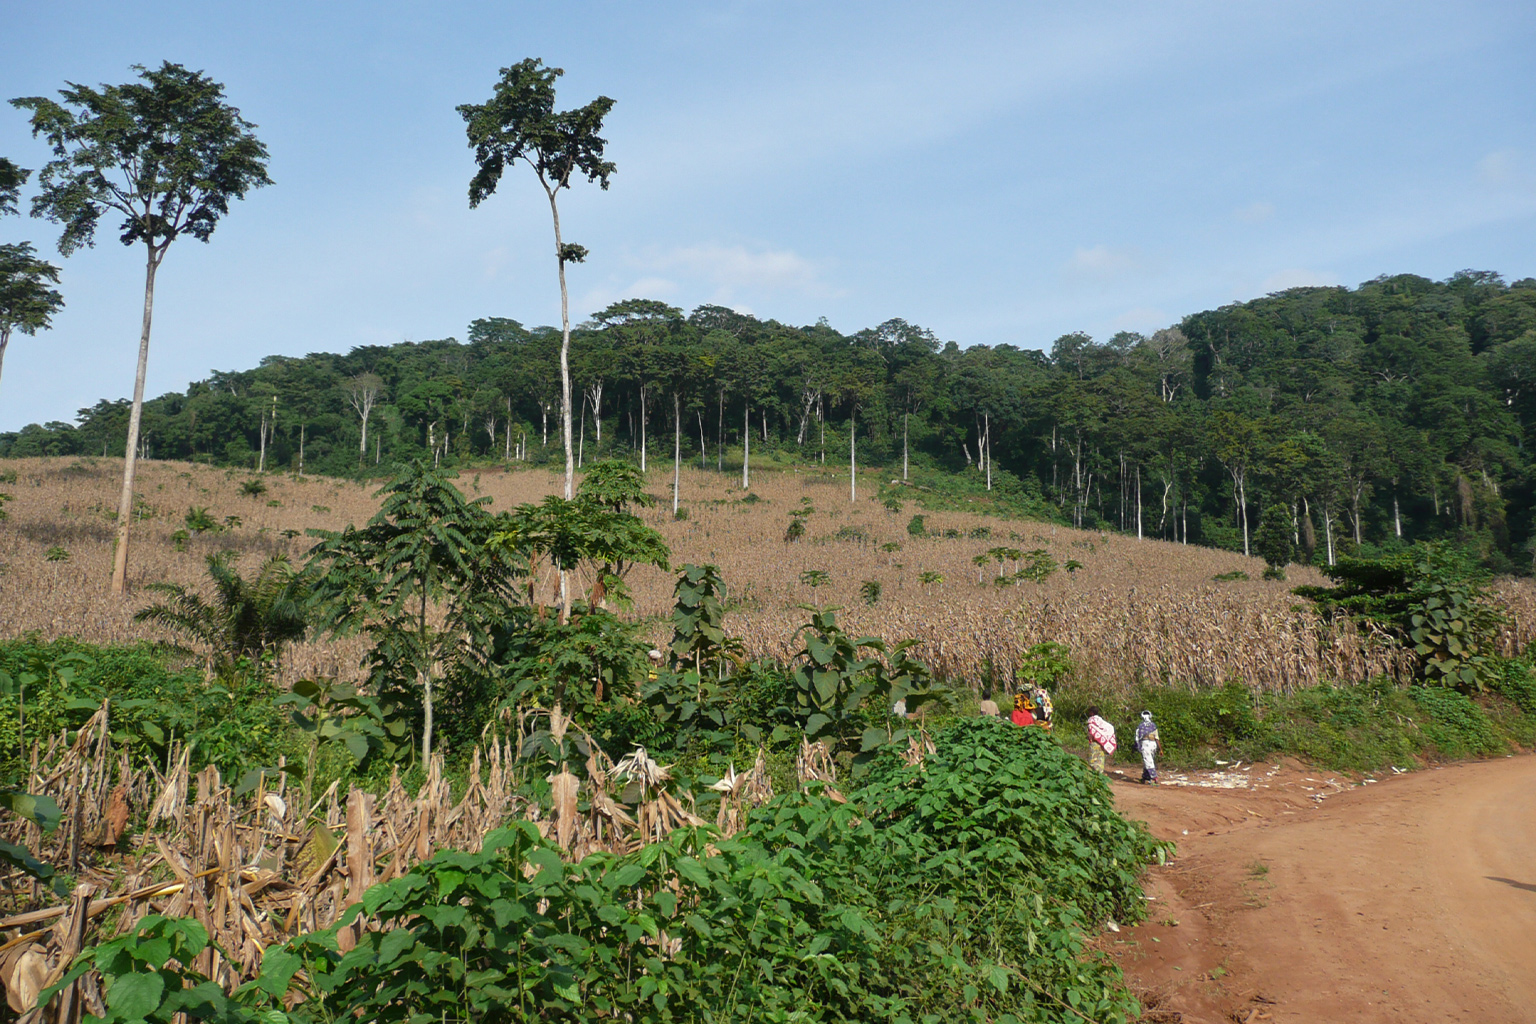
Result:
{"points": [[962, 890]]}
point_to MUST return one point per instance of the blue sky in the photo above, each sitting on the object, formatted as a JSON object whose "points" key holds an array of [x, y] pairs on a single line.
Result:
{"points": [[997, 172]]}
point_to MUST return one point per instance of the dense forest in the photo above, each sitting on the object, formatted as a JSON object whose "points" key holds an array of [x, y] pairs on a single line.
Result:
{"points": [[1373, 416]]}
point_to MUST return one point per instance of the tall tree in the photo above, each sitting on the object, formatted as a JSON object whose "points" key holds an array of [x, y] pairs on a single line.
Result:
{"points": [[168, 154], [27, 300], [520, 122], [362, 392]]}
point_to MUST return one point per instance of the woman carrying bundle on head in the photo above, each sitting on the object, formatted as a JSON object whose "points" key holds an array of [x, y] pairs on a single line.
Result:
{"points": [[1150, 744], [1101, 737], [1045, 713]]}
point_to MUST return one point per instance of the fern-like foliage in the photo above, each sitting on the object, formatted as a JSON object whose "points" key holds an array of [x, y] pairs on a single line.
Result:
{"points": [[245, 618]]}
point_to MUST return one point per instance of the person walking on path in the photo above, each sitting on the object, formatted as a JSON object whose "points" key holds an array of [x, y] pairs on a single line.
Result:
{"points": [[1150, 745], [1023, 709], [1045, 712], [1102, 735]]}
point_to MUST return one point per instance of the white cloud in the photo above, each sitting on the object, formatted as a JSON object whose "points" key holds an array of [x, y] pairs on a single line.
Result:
{"points": [[1296, 278], [1104, 261], [725, 272], [1141, 318], [1255, 213], [1500, 167]]}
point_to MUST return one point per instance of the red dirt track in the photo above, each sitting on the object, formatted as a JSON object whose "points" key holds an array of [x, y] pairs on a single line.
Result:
{"points": [[1405, 900]]}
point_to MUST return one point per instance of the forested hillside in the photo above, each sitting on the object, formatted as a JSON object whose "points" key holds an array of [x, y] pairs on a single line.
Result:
{"points": [[1398, 410]]}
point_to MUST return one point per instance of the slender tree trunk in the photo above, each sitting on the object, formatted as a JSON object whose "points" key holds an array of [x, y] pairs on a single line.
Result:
{"points": [[821, 422], [720, 437], [595, 393], [135, 415], [5, 339], [677, 449], [302, 428], [904, 446], [1242, 502], [746, 447], [853, 462], [1328, 530], [643, 404], [565, 364], [581, 444], [1138, 502], [703, 450], [362, 442], [988, 417], [424, 674], [1397, 518]]}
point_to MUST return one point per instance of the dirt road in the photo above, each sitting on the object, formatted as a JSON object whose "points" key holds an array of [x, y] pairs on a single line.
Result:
{"points": [[1308, 897]]}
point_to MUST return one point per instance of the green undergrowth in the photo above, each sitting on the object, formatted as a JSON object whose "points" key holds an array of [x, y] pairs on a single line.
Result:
{"points": [[1365, 727], [1009, 498], [963, 890]]}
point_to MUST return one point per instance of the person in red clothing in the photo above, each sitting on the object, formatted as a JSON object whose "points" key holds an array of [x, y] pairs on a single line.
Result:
{"points": [[1023, 710]]}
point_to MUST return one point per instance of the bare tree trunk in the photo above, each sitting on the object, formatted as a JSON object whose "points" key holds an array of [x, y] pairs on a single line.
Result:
{"points": [[702, 449], [643, 404], [5, 339], [988, 417], [595, 393], [135, 415], [565, 363], [1138, 502], [1397, 517], [1328, 530], [1242, 501], [904, 446], [268, 429], [302, 428], [581, 445], [677, 449], [853, 462], [720, 436], [746, 446]]}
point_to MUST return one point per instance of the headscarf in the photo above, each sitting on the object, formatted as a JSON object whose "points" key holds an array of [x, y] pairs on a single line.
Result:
{"points": [[1146, 728]]}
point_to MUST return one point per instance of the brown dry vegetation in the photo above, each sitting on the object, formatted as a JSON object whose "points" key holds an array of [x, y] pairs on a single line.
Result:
{"points": [[1135, 610]]}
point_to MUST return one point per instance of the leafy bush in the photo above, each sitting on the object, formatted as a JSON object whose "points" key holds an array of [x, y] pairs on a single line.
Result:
{"points": [[916, 527], [1433, 599], [961, 890], [199, 520], [234, 724]]}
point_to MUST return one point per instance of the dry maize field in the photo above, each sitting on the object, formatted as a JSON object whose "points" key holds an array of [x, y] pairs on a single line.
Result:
{"points": [[1131, 610]]}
